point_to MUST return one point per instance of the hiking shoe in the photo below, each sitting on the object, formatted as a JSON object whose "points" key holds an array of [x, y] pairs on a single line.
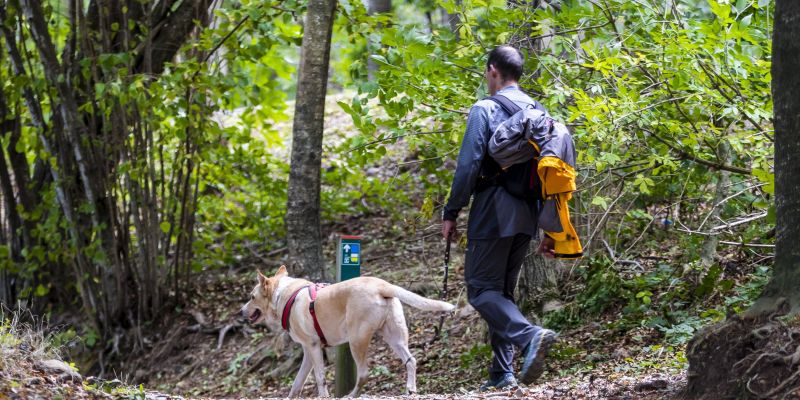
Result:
{"points": [[505, 381], [535, 353]]}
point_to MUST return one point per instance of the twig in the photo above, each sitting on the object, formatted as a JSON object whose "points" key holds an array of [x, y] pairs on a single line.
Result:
{"points": [[275, 252], [743, 244], [445, 108], [386, 139], [222, 333], [619, 261], [697, 159], [725, 200], [744, 220], [579, 29]]}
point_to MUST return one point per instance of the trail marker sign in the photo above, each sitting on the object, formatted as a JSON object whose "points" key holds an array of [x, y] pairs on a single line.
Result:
{"points": [[348, 258], [348, 266]]}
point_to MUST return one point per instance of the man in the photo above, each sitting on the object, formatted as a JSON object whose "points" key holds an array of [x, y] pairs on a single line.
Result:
{"points": [[499, 232]]}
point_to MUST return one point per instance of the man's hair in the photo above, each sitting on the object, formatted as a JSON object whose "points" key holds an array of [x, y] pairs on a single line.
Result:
{"points": [[508, 61]]}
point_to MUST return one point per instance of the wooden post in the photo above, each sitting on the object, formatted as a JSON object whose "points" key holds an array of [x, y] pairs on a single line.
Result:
{"points": [[348, 261]]}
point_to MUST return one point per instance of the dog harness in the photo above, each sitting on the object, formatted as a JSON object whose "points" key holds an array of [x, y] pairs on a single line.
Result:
{"points": [[287, 309]]}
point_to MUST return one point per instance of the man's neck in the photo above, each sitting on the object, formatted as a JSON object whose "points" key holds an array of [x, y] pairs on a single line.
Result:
{"points": [[505, 85]]}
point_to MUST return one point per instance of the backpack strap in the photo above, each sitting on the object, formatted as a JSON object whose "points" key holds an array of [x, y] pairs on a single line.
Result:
{"points": [[506, 104], [510, 107]]}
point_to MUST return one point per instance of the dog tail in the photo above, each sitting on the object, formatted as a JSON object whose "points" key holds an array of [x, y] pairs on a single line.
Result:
{"points": [[417, 301]]}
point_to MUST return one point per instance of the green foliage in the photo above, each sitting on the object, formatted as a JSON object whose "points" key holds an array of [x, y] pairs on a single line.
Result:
{"points": [[478, 354], [651, 91], [665, 298]]}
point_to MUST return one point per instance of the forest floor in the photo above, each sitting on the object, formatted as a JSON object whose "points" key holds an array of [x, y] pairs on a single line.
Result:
{"points": [[205, 349], [187, 356]]}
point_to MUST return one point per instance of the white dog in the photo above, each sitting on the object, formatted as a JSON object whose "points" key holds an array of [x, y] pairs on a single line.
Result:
{"points": [[350, 311]]}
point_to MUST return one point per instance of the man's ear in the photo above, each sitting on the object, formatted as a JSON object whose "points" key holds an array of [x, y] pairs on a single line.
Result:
{"points": [[262, 280], [281, 271]]}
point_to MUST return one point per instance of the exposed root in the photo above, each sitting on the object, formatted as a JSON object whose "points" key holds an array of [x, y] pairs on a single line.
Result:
{"points": [[779, 389], [745, 358]]}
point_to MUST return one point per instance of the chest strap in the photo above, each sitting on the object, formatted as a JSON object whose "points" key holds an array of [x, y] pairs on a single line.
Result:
{"points": [[287, 309]]}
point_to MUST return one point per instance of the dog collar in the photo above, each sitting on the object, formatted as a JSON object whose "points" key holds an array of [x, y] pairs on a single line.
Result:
{"points": [[287, 309]]}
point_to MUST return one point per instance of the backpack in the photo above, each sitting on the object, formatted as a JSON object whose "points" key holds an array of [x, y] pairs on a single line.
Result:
{"points": [[521, 178]]}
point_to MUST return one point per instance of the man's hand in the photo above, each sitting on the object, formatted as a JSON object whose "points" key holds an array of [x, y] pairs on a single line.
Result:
{"points": [[547, 247], [449, 230]]}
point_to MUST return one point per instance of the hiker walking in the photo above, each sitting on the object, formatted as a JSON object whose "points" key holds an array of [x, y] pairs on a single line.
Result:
{"points": [[505, 213]]}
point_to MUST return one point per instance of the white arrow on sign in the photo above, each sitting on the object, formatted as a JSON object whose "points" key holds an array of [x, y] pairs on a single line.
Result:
{"points": [[347, 247]]}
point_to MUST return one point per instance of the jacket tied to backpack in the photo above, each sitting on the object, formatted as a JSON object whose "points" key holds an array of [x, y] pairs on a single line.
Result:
{"points": [[531, 133]]}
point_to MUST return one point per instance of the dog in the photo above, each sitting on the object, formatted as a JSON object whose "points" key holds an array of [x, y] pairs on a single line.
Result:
{"points": [[350, 311]]}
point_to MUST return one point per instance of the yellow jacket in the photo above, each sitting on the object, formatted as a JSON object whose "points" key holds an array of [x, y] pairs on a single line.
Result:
{"points": [[558, 183]]}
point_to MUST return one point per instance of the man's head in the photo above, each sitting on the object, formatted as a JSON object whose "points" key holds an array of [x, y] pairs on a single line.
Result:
{"points": [[504, 67]]}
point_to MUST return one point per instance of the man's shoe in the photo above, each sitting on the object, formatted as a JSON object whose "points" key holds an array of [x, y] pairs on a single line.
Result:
{"points": [[535, 353], [505, 381]]}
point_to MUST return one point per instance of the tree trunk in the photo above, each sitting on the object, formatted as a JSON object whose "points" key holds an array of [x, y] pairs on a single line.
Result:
{"points": [[538, 281], [375, 7], [452, 20], [303, 232], [785, 282], [709, 249], [726, 360]]}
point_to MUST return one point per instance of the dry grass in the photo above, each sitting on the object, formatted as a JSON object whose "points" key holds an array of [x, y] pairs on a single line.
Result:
{"points": [[22, 342]]}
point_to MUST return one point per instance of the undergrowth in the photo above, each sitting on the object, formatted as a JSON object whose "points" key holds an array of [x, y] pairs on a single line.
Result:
{"points": [[675, 300], [24, 341]]}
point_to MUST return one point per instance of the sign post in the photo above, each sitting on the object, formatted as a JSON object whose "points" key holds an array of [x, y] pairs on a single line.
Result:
{"points": [[348, 266]]}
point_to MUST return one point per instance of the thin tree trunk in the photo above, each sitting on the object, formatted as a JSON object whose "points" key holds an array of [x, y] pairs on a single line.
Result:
{"points": [[375, 7], [8, 281], [452, 20], [709, 249], [303, 232]]}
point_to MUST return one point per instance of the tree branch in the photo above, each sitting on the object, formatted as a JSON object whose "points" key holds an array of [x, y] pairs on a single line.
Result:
{"points": [[684, 154]]}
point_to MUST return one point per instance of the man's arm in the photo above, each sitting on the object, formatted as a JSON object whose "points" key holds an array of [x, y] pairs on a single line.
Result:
{"points": [[470, 158]]}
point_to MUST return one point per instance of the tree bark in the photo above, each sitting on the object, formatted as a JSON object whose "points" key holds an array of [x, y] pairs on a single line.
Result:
{"points": [[303, 232], [538, 281], [785, 282]]}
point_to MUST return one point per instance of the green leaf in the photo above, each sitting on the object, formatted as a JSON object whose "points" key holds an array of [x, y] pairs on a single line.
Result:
{"points": [[600, 201], [41, 291], [766, 177], [723, 11], [165, 226]]}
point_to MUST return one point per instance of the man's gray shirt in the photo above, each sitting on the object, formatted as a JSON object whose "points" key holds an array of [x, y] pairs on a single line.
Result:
{"points": [[494, 213]]}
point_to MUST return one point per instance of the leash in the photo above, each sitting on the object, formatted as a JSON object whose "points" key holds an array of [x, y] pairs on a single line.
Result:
{"points": [[443, 297]]}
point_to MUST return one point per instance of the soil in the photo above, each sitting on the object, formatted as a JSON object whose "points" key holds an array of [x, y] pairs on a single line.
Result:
{"points": [[746, 358]]}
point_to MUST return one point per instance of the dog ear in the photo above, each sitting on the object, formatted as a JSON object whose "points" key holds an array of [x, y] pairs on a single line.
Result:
{"points": [[261, 278], [281, 271]]}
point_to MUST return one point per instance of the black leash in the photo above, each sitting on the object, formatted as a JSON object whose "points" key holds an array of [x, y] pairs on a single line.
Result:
{"points": [[438, 330]]}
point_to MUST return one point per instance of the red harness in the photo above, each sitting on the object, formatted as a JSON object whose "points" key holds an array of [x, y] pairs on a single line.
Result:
{"points": [[287, 309]]}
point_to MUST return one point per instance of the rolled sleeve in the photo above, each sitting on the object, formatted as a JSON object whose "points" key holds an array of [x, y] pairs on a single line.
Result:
{"points": [[470, 158]]}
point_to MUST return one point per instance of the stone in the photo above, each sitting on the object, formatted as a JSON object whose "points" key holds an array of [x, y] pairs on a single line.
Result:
{"points": [[57, 367]]}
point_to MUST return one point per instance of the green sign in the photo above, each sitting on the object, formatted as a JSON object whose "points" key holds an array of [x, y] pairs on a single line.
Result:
{"points": [[348, 258]]}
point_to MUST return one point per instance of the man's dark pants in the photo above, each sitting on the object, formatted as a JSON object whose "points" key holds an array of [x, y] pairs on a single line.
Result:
{"points": [[491, 270]]}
